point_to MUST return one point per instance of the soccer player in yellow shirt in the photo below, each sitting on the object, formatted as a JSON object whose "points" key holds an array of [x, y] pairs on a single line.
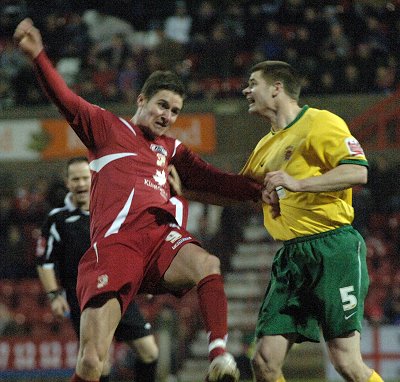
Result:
{"points": [[308, 162]]}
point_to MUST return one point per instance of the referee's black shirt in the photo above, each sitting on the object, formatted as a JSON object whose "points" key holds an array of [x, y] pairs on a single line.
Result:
{"points": [[65, 237]]}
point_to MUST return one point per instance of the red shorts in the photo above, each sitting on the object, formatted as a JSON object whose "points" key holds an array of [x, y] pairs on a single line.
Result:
{"points": [[129, 262]]}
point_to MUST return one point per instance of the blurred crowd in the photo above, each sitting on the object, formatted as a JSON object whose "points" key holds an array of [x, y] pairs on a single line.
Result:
{"points": [[105, 50]]}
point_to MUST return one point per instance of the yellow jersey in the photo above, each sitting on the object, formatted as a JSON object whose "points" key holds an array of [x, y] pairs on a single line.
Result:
{"points": [[314, 143]]}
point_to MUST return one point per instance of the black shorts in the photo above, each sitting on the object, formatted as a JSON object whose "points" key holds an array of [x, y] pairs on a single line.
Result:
{"points": [[131, 327]]}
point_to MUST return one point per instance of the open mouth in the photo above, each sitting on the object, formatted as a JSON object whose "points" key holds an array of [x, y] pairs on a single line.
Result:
{"points": [[251, 102], [161, 125]]}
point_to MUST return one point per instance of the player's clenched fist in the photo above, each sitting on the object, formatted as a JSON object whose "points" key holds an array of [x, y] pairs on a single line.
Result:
{"points": [[28, 38]]}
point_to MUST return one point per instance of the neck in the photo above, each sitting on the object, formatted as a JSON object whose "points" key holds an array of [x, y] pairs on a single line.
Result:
{"points": [[83, 207], [148, 134], [285, 117]]}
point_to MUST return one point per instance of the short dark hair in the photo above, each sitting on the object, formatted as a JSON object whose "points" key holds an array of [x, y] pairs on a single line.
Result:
{"points": [[163, 80], [280, 71], [75, 160]]}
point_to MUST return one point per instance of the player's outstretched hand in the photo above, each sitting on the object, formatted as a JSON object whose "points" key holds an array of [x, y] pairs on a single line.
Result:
{"points": [[28, 38], [174, 181], [271, 198]]}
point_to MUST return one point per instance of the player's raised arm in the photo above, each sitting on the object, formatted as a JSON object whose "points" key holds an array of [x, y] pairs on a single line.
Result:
{"points": [[29, 40]]}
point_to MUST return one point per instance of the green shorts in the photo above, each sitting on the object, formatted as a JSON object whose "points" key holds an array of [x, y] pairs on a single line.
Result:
{"points": [[317, 282]]}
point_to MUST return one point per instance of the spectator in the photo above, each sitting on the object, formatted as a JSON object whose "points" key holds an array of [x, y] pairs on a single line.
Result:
{"points": [[271, 8], [178, 26], [115, 52], [171, 52], [375, 35], [79, 40], [11, 60], [203, 21], [351, 81], [327, 83], [254, 17], [9, 327], [104, 79], [15, 264], [53, 33], [272, 43], [217, 54], [337, 42], [102, 27], [330, 63], [291, 12], [69, 68], [10, 13], [315, 23], [234, 21], [367, 61], [7, 96], [129, 80], [384, 81], [392, 305]]}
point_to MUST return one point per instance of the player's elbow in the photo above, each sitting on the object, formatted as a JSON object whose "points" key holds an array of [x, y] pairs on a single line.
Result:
{"points": [[363, 175], [358, 174]]}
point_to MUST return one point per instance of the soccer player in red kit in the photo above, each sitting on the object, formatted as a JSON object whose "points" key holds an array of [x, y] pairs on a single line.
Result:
{"points": [[137, 245]]}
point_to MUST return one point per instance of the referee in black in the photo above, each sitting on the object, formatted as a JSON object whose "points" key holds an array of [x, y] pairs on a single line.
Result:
{"points": [[64, 239]]}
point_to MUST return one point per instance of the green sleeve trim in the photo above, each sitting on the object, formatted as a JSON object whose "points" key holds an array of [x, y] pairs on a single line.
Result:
{"points": [[355, 161]]}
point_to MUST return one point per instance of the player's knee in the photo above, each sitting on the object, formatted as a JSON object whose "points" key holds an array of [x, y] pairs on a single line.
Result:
{"points": [[150, 355], [91, 362], [146, 349], [92, 357], [264, 370], [347, 368], [212, 265]]}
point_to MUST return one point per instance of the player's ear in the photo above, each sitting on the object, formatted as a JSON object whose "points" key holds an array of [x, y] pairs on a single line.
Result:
{"points": [[140, 100], [278, 87]]}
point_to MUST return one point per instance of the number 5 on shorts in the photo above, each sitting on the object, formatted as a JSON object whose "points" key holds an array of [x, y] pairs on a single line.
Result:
{"points": [[348, 299]]}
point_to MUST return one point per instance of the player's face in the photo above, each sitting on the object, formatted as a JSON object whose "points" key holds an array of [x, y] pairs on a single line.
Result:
{"points": [[78, 183], [259, 94], [159, 112]]}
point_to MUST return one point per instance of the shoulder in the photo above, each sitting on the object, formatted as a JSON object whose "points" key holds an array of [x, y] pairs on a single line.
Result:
{"points": [[321, 115], [99, 115], [57, 212], [326, 121]]}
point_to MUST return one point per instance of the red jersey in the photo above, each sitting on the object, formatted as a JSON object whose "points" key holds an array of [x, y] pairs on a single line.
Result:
{"points": [[129, 169]]}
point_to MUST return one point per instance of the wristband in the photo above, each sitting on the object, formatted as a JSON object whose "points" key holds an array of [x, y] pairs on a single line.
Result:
{"points": [[52, 295]]}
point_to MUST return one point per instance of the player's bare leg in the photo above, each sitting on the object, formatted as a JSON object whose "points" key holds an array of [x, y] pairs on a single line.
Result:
{"points": [[96, 333], [345, 355], [194, 266], [269, 357]]}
